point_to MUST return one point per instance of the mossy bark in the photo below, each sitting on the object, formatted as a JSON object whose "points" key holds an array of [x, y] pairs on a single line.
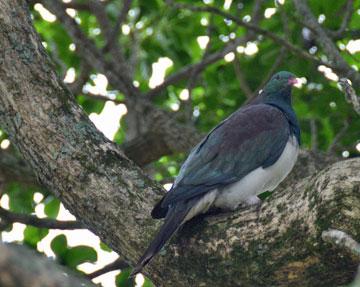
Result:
{"points": [[280, 245]]}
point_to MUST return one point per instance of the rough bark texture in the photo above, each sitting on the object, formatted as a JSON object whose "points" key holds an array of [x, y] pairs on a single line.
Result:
{"points": [[90, 175], [22, 267], [279, 246]]}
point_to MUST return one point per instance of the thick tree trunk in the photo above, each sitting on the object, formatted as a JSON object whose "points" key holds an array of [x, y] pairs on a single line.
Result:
{"points": [[279, 246], [87, 172]]}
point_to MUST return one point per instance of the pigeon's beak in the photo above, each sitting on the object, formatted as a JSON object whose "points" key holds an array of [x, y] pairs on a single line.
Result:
{"points": [[293, 81]]}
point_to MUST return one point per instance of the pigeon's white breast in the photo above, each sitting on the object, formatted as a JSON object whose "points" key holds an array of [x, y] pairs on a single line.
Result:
{"points": [[259, 180]]}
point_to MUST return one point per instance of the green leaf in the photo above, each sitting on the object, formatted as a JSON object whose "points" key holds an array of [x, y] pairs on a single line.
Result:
{"points": [[79, 254], [90, 105], [52, 207], [265, 194], [104, 247], [32, 235], [148, 283], [123, 280], [20, 198], [59, 246]]}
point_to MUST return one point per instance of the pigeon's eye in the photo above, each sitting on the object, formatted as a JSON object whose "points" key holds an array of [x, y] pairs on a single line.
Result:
{"points": [[277, 77]]}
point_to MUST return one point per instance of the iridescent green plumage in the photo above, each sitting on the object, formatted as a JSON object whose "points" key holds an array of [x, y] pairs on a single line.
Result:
{"points": [[254, 136]]}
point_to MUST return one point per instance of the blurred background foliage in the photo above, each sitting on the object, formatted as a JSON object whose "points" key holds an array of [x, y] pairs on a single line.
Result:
{"points": [[158, 32]]}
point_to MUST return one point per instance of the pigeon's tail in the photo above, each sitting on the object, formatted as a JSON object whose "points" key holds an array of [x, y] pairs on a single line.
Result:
{"points": [[174, 219]]}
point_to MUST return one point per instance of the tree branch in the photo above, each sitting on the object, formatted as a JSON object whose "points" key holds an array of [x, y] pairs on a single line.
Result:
{"points": [[122, 17], [346, 16], [149, 146], [350, 94], [343, 240], [38, 222], [154, 119], [68, 5], [314, 135], [90, 175], [256, 16], [81, 79], [337, 63], [116, 73], [194, 76], [98, 9], [113, 197], [103, 98], [117, 264], [231, 46], [277, 238], [338, 137], [253, 27], [22, 267], [274, 67], [200, 66], [241, 79]]}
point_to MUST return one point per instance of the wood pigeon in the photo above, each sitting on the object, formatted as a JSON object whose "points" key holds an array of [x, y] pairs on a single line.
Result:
{"points": [[248, 153]]}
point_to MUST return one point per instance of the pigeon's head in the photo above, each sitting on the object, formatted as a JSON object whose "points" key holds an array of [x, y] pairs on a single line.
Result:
{"points": [[281, 81], [278, 89]]}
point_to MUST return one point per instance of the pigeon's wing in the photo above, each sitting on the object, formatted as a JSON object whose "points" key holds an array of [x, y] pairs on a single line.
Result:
{"points": [[252, 137]]}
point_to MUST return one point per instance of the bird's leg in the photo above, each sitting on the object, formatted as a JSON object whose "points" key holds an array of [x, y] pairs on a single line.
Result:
{"points": [[254, 201]]}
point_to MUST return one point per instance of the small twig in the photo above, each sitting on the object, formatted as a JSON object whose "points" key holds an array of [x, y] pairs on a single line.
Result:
{"points": [[343, 240], [256, 16], [121, 19], [338, 136], [285, 22], [280, 57], [257, 13], [272, 70], [208, 59], [185, 72], [241, 78], [103, 98], [117, 74], [69, 5], [194, 76], [39, 222], [314, 135], [77, 85], [57, 60], [134, 53], [336, 61], [231, 46], [117, 264], [98, 9], [346, 16], [253, 27], [350, 94]]}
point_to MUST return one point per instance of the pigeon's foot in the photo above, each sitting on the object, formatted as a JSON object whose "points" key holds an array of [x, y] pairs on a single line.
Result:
{"points": [[253, 201]]}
